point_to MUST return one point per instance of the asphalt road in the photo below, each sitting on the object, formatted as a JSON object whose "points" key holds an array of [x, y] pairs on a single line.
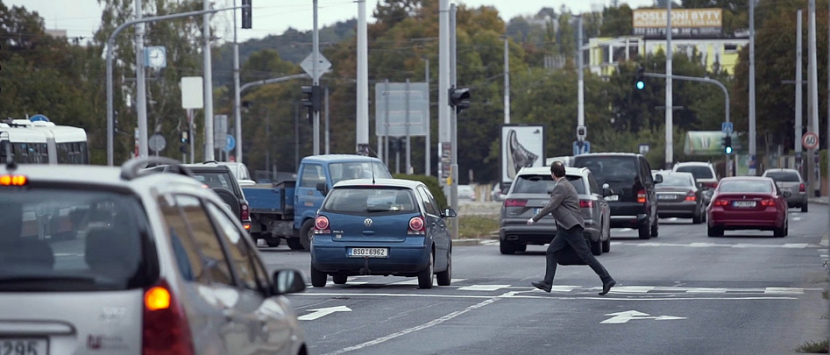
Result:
{"points": [[680, 293]]}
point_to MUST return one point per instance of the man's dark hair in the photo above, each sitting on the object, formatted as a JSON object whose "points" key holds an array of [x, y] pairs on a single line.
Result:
{"points": [[557, 169]]}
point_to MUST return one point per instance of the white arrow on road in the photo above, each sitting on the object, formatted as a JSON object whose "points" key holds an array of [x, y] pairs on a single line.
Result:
{"points": [[624, 317], [322, 312]]}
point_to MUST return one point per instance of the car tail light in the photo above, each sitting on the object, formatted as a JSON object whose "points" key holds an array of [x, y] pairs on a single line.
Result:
{"points": [[641, 196], [768, 203], [713, 185], [164, 325], [514, 203], [416, 226], [720, 202], [13, 180], [245, 214], [586, 203], [321, 225], [691, 196], [801, 187]]}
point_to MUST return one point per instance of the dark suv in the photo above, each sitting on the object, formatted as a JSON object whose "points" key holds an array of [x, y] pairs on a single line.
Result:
{"points": [[628, 187]]}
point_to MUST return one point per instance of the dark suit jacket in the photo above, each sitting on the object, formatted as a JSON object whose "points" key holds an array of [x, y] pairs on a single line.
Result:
{"points": [[563, 205]]}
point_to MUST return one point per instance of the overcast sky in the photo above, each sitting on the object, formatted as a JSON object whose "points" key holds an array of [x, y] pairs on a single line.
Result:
{"points": [[81, 17]]}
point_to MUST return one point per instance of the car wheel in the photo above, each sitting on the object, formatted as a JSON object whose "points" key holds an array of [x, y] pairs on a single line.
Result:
{"points": [[425, 276], [294, 243], [318, 278], [697, 218], [520, 247], [644, 231], [606, 245], [715, 232], [654, 228], [804, 208], [596, 248], [339, 279], [507, 247], [272, 242], [445, 277], [306, 234]]}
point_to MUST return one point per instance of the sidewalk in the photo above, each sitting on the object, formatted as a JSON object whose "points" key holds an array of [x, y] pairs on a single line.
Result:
{"points": [[819, 200]]}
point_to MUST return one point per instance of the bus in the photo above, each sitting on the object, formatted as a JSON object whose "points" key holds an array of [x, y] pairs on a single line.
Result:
{"points": [[41, 142]]}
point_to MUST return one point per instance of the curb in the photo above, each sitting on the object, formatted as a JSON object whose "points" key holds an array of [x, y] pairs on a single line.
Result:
{"points": [[817, 201], [466, 242]]}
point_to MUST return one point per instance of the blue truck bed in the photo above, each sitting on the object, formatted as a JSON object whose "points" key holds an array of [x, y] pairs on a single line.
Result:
{"points": [[271, 199]]}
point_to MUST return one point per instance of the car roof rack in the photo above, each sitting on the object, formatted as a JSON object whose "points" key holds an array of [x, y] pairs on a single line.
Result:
{"points": [[132, 168]]}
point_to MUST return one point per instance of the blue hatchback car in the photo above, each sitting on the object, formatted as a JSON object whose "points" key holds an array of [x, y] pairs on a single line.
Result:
{"points": [[382, 227]]}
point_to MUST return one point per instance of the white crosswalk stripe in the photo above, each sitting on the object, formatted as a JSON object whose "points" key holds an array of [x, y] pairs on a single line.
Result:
{"points": [[718, 245], [483, 287], [414, 281]]}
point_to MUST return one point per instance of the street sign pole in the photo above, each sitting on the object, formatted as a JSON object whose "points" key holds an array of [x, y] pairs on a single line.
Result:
{"points": [[316, 81]]}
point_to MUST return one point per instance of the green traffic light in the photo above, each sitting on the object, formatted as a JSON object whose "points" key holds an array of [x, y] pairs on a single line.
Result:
{"points": [[641, 85], [728, 150]]}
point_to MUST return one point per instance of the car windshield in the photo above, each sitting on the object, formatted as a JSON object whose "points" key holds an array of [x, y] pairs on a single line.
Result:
{"points": [[543, 184], [358, 170], [609, 169], [370, 199], [70, 240], [698, 171], [214, 179], [745, 186], [676, 180], [783, 176]]}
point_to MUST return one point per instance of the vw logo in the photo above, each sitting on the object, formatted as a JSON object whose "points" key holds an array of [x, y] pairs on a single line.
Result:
{"points": [[367, 222]]}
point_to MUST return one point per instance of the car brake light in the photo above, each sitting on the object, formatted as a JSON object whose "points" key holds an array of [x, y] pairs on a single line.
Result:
{"points": [[768, 203], [514, 203], [13, 180], [416, 226], [321, 225], [164, 325], [801, 187], [586, 203], [691, 196], [641, 196], [713, 185], [245, 213], [720, 203]]}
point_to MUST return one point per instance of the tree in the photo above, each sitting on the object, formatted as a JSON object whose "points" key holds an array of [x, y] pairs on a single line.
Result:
{"points": [[616, 21]]}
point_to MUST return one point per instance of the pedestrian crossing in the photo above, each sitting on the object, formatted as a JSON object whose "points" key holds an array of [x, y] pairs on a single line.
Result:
{"points": [[491, 242]]}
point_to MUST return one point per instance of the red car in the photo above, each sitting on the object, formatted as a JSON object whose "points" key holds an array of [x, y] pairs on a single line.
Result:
{"points": [[748, 203]]}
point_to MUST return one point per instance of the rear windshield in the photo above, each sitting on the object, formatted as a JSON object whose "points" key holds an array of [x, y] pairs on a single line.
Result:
{"points": [[783, 176], [370, 200], [699, 172], [609, 169], [676, 180], [70, 240], [357, 170], [745, 186], [215, 179], [543, 184]]}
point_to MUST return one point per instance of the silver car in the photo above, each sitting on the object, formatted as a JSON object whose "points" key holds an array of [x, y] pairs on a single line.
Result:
{"points": [[790, 180], [120, 261], [530, 192], [679, 196]]}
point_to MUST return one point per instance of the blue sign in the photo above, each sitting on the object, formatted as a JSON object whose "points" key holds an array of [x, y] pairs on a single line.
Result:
{"points": [[231, 143], [39, 118], [583, 147], [726, 127]]}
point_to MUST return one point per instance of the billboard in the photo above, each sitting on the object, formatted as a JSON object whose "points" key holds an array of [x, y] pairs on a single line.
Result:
{"points": [[521, 146], [708, 143], [685, 23]]}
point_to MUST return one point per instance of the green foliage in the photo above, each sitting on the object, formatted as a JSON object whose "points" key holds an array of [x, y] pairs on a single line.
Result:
{"points": [[813, 347], [432, 184], [616, 21], [477, 226]]}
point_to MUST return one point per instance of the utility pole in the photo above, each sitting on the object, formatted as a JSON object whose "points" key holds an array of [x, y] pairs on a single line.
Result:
{"points": [[237, 101], [408, 165], [580, 117], [428, 138], [669, 103], [443, 77], [799, 101], [812, 91], [507, 79], [296, 136], [385, 122], [453, 121], [315, 82], [328, 123], [753, 170], [141, 96], [208, 85], [362, 80]]}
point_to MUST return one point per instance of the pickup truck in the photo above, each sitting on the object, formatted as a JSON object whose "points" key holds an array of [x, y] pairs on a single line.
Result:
{"points": [[286, 209]]}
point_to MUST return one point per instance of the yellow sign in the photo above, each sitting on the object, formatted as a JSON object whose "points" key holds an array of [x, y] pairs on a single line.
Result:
{"points": [[680, 18]]}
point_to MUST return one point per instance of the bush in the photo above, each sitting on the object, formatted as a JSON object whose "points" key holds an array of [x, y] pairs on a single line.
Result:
{"points": [[433, 186]]}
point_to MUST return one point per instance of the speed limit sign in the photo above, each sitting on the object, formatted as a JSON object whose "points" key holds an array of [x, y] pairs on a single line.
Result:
{"points": [[809, 140]]}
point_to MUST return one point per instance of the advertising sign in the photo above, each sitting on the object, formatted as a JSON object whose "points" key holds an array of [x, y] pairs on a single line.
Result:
{"points": [[685, 23], [521, 147]]}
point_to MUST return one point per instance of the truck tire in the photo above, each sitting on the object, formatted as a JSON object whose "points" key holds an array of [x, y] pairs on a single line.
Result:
{"points": [[294, 244], [306, 234], [272, 242]]}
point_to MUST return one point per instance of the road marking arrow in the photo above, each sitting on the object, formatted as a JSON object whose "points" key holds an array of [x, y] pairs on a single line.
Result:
{"points": [[322, 312], [624, 317]]}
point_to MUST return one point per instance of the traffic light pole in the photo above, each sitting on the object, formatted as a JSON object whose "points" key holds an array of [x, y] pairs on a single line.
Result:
{"points": [[702, 80], [453, 125]]}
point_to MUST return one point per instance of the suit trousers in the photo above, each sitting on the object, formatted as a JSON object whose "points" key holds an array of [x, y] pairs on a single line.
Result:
{"points": [[576, 240]]}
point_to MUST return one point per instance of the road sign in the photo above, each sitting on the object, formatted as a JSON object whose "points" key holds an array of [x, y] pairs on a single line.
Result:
{"points": [[39, 118], [230, 143], [624, 317], [156, 142], [192, 92], [581, 132], [220, 129], [726, 127], [644, 148], [583, 148], [323, 65], [395, 96], [809, 140]]}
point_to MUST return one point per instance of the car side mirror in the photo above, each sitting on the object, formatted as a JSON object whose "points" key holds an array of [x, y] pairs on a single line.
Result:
{"points": [[787, 194], [288, 281], [321, 186], [658, 178], [450, 213]]}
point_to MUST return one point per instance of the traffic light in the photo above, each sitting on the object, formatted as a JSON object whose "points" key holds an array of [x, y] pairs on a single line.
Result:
{"points": [[639, 79], [312, 100], [459, 98], [727, 144], [184, 137], [246, 14], [115, 122]]}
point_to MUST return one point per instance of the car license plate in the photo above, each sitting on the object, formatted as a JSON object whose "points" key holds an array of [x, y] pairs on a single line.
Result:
{"points": [[24, 346], [368, 252], [612, 198], [744, 203], [665, 197]]}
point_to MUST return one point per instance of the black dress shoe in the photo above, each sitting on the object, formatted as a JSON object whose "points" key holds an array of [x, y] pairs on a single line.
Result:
{"points": [[542, 286], [607, 287]]}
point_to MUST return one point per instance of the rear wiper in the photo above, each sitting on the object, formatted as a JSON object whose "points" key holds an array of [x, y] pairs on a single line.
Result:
{"points": [[13, 279], [377, 210]]}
